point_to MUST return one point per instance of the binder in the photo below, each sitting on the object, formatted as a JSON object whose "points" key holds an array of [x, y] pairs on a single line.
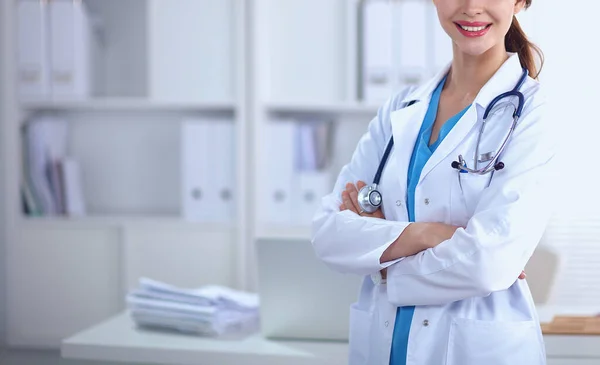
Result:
{"points": [[376, 45], [32, 50], [305, 151], [309, 188], [275, 188], [196, 198], [410, 51], [72, 189], [71, 48], [46, 143], [221, 156], [311, 178]]}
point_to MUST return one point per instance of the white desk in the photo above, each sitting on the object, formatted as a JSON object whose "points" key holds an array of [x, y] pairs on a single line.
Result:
{"points": [[118, 340], [572, 350]]}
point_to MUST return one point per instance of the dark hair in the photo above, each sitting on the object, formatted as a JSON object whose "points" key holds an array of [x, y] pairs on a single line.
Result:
{"points": [[516, 41]]}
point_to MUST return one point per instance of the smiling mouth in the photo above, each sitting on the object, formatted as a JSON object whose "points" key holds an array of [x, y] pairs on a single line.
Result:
{"points": [[473, 29]]}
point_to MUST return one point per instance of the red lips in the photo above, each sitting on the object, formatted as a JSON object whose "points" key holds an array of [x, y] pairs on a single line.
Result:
{"points": [[473, 34]]}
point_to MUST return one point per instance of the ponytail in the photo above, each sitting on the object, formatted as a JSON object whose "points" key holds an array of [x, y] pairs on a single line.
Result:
{"points": [[516, 41]]}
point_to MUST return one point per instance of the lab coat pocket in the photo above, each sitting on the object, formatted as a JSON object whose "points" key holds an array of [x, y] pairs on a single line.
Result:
{"points": [[476, 342], [360, 335], [465, 194]]}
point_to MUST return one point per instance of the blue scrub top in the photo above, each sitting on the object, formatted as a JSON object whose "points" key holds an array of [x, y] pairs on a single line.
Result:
{"points": [[421, 153]]}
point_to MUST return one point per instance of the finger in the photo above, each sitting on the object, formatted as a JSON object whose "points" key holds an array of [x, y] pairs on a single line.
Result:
{"points": [[378, 214], [360, 184], [342, 206], [348, 202], [354, 197]]}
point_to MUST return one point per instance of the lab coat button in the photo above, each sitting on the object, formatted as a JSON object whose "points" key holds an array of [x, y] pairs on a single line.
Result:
{"points": [[398, 202], [426, 201], [387, 323], [426, 323]]}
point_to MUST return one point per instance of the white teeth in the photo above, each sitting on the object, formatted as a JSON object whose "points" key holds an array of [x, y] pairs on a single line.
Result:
{"points": [[473, 29]]}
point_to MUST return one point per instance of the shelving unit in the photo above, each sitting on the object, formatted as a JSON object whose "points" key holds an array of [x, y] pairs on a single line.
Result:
{"points": [[117, 221], [126, 136], [259, 60], [339, 109], [129, 104]]}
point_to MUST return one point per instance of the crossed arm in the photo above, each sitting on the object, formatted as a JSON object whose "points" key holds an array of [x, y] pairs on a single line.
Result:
{"points": [[433, 263], [415, 238]]}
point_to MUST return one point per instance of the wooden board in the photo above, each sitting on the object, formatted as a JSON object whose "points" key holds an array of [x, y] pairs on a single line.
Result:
{"points": [[572, 325]]}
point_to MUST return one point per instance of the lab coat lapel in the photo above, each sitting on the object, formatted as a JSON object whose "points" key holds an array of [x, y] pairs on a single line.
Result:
{"points": [[503, 80], [454, 138], [406, 123]]}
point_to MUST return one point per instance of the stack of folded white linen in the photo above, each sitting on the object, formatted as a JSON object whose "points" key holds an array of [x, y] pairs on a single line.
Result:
{"points": [[209, 310]]}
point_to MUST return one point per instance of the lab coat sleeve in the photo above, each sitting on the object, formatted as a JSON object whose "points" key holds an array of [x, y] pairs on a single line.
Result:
{"points": [[499, 239], [345, 241]]}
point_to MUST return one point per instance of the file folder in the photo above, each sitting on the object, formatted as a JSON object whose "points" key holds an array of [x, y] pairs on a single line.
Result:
{"points": [[275, 187], [71, 49], [197, 192], [221, 157], [310, 181], [71, 181], [33, 76], [377, 60], [410, 20], [309, 188], [45, 144]]}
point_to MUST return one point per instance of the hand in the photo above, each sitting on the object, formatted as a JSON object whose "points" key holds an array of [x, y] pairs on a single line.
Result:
{"points": [[432, 234], [439, 232], [350, 201]]}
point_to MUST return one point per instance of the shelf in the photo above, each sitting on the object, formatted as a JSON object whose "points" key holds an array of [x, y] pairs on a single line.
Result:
{"points": [[117, 221], [129, 104], [342, 108], [282, 232]]}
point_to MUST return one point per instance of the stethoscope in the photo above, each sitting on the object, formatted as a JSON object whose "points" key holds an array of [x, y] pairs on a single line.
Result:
{"points": [[369, 197]]}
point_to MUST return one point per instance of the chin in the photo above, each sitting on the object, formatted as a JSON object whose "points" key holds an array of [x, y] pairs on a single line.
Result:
{"points": [[472, 49]]}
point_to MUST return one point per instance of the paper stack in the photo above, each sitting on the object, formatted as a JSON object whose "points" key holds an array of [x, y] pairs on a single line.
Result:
{"points": [[209, 310]]}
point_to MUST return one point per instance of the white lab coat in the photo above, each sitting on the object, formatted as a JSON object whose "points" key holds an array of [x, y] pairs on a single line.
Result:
{"points": [[470, 307]]}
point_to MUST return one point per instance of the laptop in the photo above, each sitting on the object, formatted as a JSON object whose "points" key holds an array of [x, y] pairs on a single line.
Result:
{"points": [[300, 297]]}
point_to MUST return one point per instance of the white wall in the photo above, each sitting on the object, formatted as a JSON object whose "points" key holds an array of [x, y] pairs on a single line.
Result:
{"points": [[2, 204], [571, 77]]}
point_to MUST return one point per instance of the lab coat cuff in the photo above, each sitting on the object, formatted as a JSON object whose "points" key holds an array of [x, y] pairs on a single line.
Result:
{"points": [[377, 278], [387, 264]]}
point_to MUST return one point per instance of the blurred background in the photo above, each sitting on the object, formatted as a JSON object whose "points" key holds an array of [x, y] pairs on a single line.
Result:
{"points": [[162, 138]]}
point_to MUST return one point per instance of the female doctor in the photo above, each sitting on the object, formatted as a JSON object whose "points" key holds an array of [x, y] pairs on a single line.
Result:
{"points": [[443, 254]]}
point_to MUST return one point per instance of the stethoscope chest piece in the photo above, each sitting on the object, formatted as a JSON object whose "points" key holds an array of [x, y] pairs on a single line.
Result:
{"points": [[369, 198]]}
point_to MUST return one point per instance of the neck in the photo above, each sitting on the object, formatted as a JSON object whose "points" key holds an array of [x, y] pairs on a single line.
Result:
{"points": [[468, 74]]}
